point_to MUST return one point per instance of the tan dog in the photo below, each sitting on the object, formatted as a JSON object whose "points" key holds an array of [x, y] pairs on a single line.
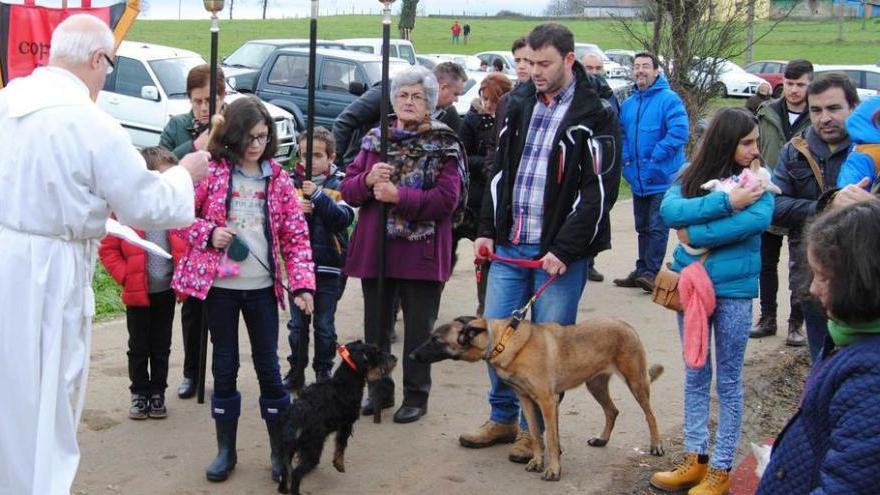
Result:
{"points": [[541, 361]]}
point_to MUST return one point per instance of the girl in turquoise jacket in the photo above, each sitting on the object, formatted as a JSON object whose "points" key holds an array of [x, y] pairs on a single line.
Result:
{"points": [[730, 226]]}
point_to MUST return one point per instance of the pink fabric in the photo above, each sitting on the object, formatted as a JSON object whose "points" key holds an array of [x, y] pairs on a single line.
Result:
{"points": [[698, 300], [195, 274]]}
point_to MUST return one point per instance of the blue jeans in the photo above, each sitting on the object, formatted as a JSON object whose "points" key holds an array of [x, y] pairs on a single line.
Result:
{"points": [[816, 324], [260, 310], [653, 234], [509, 288], [324, 321], [730, 326]]}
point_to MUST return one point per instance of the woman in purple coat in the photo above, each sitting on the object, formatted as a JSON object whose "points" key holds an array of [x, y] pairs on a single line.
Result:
{"points": [[422, 184]]}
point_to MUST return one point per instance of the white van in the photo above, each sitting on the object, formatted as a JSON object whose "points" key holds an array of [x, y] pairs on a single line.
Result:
{"points": [[399, 48]]}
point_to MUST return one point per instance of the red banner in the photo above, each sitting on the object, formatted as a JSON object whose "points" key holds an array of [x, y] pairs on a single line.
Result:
{"points": [[26, 31]]}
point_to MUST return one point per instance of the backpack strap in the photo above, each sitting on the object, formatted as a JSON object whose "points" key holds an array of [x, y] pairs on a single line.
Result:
{"points": [[801, 145]]}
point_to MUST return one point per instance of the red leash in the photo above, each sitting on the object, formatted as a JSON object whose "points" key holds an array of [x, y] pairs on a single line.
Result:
{"points": [[520, 313]]}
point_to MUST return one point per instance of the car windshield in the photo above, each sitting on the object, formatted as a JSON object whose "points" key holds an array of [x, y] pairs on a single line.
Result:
{"points": [[728, 66], [172, 74], [581, 50], [374, 70], [251, 55]]}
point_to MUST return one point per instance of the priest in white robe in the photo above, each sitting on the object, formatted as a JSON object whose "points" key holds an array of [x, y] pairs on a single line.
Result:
{"points": [[64, 165]]}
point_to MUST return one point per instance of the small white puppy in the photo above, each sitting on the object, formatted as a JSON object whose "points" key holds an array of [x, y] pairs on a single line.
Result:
{"points": [[754, 174]]}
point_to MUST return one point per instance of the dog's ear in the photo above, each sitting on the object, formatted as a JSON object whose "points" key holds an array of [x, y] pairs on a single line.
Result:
{"points": [[464, 320], [470, 332]]}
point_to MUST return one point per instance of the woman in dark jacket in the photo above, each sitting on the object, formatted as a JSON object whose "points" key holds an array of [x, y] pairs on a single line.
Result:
{"points": [[477, 133], [421, 185], [832, 444], [183, 134]]}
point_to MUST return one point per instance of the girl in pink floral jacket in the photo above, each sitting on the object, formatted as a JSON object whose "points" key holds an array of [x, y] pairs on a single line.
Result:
{"points": [[248, 202]]}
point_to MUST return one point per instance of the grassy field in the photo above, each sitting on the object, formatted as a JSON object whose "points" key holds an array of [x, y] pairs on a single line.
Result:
{"points": [[107, 294], [814, 40]]}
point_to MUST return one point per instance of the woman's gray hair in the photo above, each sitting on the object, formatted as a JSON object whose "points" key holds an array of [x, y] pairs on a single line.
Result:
{"points": [[417, 75], [78, 37]]}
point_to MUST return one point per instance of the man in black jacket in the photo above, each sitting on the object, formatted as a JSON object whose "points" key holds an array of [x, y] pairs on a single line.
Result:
{"points": [[363, 114], [553, 184], [831, 98]]}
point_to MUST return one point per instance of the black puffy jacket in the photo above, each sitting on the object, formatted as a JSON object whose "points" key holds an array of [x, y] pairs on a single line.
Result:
{"points": [[578, 203]]}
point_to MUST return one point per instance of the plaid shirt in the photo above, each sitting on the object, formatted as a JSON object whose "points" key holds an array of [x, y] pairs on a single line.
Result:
{"points": [[528, 189]]}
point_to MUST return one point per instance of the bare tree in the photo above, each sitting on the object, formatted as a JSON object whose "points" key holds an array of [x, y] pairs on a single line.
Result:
{"points": [[693, 46]]}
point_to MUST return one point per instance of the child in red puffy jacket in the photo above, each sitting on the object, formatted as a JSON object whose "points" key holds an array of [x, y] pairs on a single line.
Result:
{"points": [[149, 301]]}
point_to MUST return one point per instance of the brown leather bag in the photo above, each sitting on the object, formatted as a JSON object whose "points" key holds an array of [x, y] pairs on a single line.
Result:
{"points": [[665, 291]]}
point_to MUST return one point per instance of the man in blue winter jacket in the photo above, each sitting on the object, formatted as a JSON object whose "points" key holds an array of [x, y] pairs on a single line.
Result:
{"points": [[654, 125]]}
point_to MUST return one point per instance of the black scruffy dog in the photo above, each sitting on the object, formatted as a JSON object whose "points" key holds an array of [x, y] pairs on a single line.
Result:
{"points": [[327, 407]]}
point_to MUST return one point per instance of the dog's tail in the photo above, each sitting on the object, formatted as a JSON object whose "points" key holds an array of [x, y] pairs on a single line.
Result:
{"points": [[655, 371]]}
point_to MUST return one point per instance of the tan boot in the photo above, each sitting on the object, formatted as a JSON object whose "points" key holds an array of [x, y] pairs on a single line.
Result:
{"points": [[489, 434], [716, 482], [685, 473], [521, 450]]}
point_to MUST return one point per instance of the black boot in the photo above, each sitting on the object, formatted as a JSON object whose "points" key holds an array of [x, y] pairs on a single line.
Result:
{"points": [[225, 413], [766, 327], [272, 411]]}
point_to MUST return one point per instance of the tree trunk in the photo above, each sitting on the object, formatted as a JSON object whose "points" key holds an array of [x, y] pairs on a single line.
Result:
{"points": [[231, 6], [407, 20], [750, 31], [266, 4], [659, 14]]}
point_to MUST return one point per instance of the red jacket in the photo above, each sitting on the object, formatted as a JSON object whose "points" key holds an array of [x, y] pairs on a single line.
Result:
{"points": [[127, 264]]}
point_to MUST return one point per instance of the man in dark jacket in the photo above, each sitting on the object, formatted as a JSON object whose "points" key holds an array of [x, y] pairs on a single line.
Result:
{"points": [[831, 98], [554, 182], [363, 114], [655, 130], [778, 122]]}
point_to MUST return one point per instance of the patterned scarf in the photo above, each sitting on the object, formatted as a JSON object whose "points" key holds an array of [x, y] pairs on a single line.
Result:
{"points": [[418, 157]]}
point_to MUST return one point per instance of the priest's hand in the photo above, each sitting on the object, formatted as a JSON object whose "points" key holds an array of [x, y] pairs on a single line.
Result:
{"points": [[196, 163]]}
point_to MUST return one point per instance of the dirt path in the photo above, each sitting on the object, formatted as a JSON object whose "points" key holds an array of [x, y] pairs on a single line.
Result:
{"points": [[170, 456]]}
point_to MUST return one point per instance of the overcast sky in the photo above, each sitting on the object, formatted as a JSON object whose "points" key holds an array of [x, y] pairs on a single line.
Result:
{"points": [[168, 9]]}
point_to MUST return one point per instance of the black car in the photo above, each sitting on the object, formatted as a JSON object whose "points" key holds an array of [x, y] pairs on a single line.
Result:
{"points": [[341, 77], [242, 67]]}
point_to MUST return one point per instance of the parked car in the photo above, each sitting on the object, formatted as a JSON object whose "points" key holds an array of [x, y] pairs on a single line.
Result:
{"points": [[467, 62], [866, 78], [342, 76], [471, 90], [399, 48], [148, 86], [426, 62], [770, 71], [622, 57], [728, 80], [242, 66], [506, 57], [613, 70], [621, 87]]}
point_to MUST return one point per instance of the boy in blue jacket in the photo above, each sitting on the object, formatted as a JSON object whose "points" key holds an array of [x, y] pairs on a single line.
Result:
{"points": [[864, 129], [329, 218]]}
